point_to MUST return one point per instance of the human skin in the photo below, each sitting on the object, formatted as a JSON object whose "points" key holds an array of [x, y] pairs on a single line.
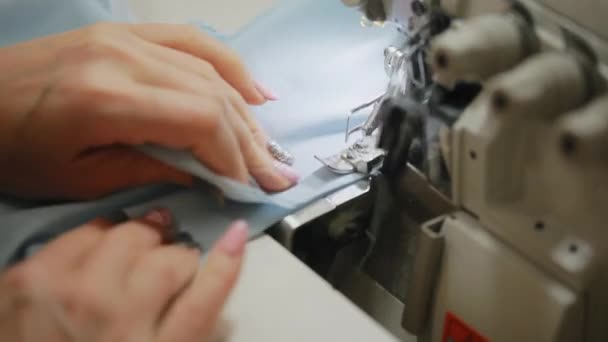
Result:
{"points": [[73, 105], [103, 282]]}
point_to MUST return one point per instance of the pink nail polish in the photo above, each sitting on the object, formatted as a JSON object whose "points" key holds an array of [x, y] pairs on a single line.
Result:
{"points": [[233, 242], [160, 216], [267, 93], [287, 172]]}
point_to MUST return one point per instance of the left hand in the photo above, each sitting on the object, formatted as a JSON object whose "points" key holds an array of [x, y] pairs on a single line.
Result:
{"points": [[105, 283], [72, 105]]}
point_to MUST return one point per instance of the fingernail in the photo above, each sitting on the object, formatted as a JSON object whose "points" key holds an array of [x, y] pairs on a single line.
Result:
{"points": [[267, 93], [287, 171], [233, 242], [160, 216]]}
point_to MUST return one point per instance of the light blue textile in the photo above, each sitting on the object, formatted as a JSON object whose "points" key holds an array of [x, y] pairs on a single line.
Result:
{"points": [[322, 63], [27, 227], [22, 20]]}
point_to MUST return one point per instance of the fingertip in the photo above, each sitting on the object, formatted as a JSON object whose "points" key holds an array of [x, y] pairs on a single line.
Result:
{"points": [[234, 240], [240, 225], [267, 93], [287, 171], [278, 177], [159, 216], [253, 96]]}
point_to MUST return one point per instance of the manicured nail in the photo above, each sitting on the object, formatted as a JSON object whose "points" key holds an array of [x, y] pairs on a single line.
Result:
{"points": [[287, 171], [233, 242], [267, 93], [160, 216]]}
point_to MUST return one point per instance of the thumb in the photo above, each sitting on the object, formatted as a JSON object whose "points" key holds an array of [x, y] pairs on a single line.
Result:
{"points": [[195, 312], [119, 168]]}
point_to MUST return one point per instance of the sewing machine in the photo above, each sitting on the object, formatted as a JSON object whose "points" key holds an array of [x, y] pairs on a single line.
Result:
{"points": [[482, 217]]}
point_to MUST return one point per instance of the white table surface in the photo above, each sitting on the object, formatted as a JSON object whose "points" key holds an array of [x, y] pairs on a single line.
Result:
{"points": [[279, 299]]}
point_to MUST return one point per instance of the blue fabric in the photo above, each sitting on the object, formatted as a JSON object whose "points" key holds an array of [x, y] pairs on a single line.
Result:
{"points": [[25, 227], [313, 53], [323, 63], [22, 20]]}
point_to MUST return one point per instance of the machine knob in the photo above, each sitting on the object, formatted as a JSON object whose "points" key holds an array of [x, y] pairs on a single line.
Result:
{"points": [[545, 86], [584, 133], [481, 47]]}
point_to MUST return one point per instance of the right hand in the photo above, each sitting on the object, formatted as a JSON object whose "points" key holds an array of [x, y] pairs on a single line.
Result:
{"points": [[101, 283], [72, 103]]}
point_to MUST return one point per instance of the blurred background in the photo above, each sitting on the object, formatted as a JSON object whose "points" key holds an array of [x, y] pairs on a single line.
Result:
{"points": [[225, 15]]}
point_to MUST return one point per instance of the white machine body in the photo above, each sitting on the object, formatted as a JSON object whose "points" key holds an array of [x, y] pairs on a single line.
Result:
{"points": [[524, 256]]}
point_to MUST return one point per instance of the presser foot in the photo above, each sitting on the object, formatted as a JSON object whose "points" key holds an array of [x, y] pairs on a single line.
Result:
{"points": [[361, 157]]}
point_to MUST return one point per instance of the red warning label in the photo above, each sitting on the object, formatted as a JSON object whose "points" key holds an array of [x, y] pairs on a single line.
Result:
{"points": [[455, 330]]}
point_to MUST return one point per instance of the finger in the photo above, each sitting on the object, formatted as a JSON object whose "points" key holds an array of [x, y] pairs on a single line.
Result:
{"points": [[182, 60], [195, 312], [154, 108], [177, 120], [259, 135], [121, 167], [72, 249], [193, 41], [121, 247], [156, 280], [266, 92], [59, 257], [270, 175], [192, 66]]}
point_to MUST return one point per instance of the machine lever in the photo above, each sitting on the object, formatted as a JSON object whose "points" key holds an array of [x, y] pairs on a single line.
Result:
{"points": [[429, 248]]}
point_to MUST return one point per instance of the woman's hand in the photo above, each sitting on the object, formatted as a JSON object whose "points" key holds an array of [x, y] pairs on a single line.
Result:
{"points": [[101, 283], [73, 103]]}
